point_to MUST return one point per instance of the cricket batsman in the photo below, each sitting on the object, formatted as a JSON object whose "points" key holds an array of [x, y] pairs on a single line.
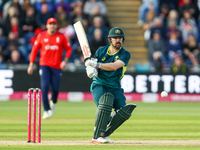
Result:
{"points": [[51, 44], [107, 69]]}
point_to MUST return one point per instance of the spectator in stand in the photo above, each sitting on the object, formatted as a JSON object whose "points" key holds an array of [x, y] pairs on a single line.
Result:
{"points": [[40, 4], [62, 3], [72, 3], [16, 28], [186, 18], [61, 16], [32, 2], [15, 4], [97, 42], [77, 15], [158, 25], [3, 40], [16, 57], [5, 7], [164, 13], [28, 27], [16, 37], [156, 49], [43, 16], [68, 31], [90, 4], [188, 29], [172, 4], [12, 44], [12, 12], [97, 23], [191, 50], [29, 24], [191, 7], [26, 5], [172, 28], [178, 66], [173, 16], [147, 5], [173, 48], [148, 24], [96, 12]]}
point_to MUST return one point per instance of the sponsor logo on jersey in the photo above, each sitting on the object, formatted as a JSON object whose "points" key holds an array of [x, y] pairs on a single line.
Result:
{"points": [[46, 40], [57, 39], [104, 58], [36, 42], [51, 47]]}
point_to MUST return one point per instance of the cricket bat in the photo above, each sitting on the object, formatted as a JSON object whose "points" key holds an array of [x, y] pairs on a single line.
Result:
{"points": [[82, 40]]}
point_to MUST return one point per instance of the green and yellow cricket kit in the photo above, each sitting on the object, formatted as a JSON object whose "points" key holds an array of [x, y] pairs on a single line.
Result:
{"points": [[109, 81]]}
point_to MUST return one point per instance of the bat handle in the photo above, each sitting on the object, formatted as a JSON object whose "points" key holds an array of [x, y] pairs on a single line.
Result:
{"points": [[87, 59]]}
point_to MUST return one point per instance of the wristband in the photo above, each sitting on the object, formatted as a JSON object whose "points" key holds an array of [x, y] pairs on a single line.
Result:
{"points": [[98, 65], [66, 60]]}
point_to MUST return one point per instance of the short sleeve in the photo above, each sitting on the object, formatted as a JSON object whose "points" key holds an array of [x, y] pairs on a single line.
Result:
{"points": [[125, 57]]}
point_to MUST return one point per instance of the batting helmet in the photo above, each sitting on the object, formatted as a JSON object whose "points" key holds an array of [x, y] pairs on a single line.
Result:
{"points": [[116, 32]]}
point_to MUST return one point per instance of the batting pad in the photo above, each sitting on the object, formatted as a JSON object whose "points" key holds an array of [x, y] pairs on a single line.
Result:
{"points": [[102, 114], [119, 117]]}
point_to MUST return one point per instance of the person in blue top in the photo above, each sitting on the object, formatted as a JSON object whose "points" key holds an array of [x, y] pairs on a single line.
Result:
{"points": [[107, 69]]}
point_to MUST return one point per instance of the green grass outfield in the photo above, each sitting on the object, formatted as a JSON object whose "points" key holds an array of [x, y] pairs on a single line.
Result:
{"points": [[154, 126]]}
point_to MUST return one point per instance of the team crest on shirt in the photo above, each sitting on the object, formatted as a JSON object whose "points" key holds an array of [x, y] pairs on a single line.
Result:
{"points": [[116, 58], [103, 58], [117, 31], [57, 39]]}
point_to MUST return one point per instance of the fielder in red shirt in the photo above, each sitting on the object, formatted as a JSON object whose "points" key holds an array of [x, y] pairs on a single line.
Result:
{"points": [[51, 44]]}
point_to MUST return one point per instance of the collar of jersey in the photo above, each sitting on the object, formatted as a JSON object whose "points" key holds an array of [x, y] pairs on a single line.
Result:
{"points": [[108, 52]]}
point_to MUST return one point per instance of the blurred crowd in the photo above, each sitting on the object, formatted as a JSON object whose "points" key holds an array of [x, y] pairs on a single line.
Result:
{"points": [[171, 30], [22, 20]]}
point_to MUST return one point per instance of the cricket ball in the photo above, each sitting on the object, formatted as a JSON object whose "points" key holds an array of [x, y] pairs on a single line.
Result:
{"points": [[164, 94]]}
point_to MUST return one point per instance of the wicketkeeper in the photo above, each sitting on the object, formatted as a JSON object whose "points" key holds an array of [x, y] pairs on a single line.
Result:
{"points": [[107, 69]]}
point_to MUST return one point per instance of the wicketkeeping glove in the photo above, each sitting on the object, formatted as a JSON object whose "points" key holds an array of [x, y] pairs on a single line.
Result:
{"points": [[91, 72]]}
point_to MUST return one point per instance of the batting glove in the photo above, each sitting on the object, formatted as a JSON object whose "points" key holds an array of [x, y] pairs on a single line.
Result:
{"points": [[91, 72], [91, 62]]}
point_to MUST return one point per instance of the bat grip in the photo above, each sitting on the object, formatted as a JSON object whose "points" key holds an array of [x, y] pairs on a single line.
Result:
{"points": [[87, 59]]}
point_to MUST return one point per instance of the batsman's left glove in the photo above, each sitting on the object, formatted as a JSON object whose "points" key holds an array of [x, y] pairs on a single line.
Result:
{"points": [[91, 72]]}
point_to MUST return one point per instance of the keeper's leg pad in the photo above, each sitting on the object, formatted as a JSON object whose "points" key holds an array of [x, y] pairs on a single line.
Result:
{"points": [[102, 114], [119, 117]]}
